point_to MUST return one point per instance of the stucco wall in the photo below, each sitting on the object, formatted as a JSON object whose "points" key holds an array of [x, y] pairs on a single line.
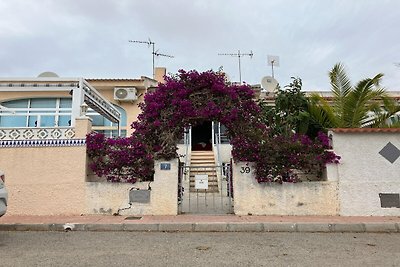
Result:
{"points": [[45, 180], [131, 107], [106, 88], [305, 198], [6, 96], [224, 152], [364, 173], [107, 198]]}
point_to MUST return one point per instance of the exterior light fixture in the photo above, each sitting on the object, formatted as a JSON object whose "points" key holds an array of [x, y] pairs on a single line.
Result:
{"points": [[84, 109]]}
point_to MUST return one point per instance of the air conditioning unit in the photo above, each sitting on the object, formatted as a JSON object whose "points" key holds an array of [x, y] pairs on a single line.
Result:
{"points": [[125, 94]]}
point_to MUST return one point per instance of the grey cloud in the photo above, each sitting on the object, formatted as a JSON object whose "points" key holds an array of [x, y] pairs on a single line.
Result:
{"points": [[90, 37]]}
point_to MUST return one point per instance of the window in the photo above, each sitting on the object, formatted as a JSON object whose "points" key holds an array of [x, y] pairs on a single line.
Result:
{"points": [[17, 120], [102, 125], [53, 112], [36, 112]]}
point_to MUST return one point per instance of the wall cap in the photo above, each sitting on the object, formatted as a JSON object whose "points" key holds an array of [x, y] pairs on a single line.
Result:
{"points": [[365, 130]]}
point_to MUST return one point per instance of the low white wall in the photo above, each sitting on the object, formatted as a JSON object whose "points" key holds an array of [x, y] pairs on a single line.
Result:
{"points": [[364, 173], [107, 198], [305, 198], [224, 153], [182, 153]]}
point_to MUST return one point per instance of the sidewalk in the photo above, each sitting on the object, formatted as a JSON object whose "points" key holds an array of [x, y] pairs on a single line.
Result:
{"points": [[201, 223]]}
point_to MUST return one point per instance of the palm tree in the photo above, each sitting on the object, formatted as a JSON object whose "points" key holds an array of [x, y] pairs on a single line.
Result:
{"points": [[364, 105]]}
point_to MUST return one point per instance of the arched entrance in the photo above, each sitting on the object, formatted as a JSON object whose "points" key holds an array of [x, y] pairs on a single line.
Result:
{"points": [[186, 106]]}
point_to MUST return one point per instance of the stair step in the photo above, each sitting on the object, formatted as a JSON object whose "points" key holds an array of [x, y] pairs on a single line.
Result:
{"points": [[202, 159], [204, 190], [209, 172], [210, 177], [200, 172], [210, 185], [192, 173], [202, 155]]}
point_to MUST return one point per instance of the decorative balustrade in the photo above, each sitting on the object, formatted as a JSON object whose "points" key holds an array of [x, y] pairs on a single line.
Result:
{"points": [[37, 133]]}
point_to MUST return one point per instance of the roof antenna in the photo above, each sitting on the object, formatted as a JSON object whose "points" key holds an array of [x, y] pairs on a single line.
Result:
{"points": [[154, 53], [273, 61], [238, 55]]}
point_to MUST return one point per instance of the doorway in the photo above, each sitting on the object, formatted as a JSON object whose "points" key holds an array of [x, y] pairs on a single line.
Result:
{"points": [[202, 136]]}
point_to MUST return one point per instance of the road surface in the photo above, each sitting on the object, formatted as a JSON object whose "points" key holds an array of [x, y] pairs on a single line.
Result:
{"points": [[198, 249]]}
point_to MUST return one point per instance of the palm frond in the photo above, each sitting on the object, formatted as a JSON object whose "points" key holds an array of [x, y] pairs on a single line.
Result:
{"points": [[321, 113], [340, 83], [360, 101], [340, 87]]}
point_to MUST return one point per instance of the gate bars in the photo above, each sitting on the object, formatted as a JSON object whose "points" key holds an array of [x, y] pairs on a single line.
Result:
{"points": [[194, 199]]}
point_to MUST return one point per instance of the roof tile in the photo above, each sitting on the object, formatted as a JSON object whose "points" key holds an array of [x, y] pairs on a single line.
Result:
{"points": [[366, 130]]}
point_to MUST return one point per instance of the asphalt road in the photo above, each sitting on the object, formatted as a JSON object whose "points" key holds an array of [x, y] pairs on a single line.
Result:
{"points": [[198, 249]]}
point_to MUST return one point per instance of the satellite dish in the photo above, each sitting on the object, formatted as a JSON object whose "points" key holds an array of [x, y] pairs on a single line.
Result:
{"points": [[48, 74], [269, 83]]}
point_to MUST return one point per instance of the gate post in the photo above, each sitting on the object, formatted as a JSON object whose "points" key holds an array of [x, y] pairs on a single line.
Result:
{"points": [[243, 183], [165, 187]]}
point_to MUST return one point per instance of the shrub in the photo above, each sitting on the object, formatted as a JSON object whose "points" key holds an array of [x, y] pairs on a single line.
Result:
{"points": [[119, 159]]}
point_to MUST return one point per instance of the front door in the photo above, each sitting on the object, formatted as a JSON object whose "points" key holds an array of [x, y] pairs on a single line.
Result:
{"points": [[202, 137]]}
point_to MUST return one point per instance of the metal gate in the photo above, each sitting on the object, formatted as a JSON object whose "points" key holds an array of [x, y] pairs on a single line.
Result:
{"points": [[205, 189]]}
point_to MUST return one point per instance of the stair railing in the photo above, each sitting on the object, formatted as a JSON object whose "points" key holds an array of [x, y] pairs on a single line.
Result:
{"points": [[217, 140], [187, 142]]}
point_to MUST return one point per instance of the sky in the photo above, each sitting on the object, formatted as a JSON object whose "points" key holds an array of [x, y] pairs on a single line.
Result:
{"points": [[89, 38]]}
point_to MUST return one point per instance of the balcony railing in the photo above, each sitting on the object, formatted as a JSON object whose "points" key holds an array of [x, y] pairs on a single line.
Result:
{"points": [[40, 133]]}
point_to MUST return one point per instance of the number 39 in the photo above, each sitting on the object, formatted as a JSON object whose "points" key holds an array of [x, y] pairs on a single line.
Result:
{"points": [[245, 170]]}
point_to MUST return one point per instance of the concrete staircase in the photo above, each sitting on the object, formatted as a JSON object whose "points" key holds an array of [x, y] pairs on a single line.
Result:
{"points": [[203, 162]]}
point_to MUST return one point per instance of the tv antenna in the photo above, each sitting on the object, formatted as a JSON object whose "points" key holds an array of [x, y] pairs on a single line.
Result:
{"points": [[238, 55], [154, 52], [273, 61]]}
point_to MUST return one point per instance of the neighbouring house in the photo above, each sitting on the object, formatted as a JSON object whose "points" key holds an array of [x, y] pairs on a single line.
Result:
{"points": [[43, 124], [55, 102]]}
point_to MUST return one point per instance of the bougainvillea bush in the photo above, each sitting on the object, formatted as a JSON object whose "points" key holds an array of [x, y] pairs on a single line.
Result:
{"points": [[190, 98], [119, 159], [279, 158]]}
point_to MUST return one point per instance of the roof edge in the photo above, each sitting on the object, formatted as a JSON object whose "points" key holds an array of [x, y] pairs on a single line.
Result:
{"points": [[365, 130]]}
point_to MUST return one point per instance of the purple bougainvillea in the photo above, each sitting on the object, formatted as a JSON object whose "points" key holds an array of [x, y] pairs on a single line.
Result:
{"points": [[120, 159], [187, 99]]}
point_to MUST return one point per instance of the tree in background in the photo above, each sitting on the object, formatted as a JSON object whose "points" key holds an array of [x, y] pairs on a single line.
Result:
{"points": [[364, 105], [290, 113]]}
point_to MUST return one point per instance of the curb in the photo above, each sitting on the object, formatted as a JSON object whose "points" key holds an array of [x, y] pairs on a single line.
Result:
{"points": [[212, 227]]}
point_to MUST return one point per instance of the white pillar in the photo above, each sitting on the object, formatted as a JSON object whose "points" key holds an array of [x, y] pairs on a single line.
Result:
{"points": [[77, 101], [164, 194]]}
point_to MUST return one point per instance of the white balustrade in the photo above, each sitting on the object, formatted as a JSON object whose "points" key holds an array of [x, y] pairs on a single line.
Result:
{"points": [[28, 133]]}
